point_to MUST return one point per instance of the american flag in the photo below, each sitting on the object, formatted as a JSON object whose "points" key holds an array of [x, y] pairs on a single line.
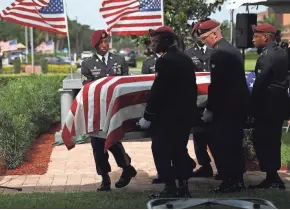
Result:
{"points": [[47, 15], [148, 16], [45, 46], [250, 77], [8, 45], [114, 105]]}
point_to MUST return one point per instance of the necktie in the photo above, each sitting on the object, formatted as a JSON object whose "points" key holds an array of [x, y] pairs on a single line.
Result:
{"points": [[202, 51], [104, 60]]}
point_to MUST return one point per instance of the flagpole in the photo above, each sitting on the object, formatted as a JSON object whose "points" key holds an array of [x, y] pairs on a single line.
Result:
{"points": [[162, 11], [32, 49], [26, 43], [68, 39]]}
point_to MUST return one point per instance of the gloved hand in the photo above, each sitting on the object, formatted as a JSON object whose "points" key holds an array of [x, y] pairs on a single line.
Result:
{"points": [[143, 124], [207, 116]]}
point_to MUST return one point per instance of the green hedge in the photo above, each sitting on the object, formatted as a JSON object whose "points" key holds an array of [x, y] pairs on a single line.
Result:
{"points": [[28, 106], [52, 68]]}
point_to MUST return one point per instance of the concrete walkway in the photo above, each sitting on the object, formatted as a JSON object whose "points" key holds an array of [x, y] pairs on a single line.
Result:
{"points": [[75, 171]]}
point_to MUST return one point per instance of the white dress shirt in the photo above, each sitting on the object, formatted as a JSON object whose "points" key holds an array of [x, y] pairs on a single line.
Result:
{"points": [[106, 56]]}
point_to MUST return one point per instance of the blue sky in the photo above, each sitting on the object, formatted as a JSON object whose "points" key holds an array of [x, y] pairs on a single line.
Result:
{"points": [[87, 12]]}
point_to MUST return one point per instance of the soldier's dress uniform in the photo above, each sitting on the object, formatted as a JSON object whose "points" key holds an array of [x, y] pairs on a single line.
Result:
{"points": [[92, 69], [148, 65], [228, 101], [200, 57], [270, 102], [171, 114]]}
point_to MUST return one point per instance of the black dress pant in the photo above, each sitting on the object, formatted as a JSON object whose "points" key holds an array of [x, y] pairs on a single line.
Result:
{"points": [[169, 148], [267, 143], [226, 143], [102, 159]]}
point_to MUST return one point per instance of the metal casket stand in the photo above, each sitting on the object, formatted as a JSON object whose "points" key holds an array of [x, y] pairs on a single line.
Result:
{"points": [[214, 203], [71, 85]]}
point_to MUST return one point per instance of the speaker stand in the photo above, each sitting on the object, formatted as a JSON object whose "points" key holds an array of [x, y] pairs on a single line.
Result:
{"points": [[244, 56]]}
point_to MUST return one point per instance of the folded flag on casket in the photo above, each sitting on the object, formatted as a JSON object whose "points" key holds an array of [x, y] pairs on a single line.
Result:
{"points": [[113, 105]]}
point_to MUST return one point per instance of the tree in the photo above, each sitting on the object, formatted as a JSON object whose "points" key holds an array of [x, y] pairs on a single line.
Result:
{"points": [[177, 13], [226, 29]]}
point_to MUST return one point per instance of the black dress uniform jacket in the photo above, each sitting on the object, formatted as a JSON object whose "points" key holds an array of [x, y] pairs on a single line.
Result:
{"points": [[174, 91], [270, 91], [200, 60], [94, 68], [228, 93], [148, 66], [170, 108]]}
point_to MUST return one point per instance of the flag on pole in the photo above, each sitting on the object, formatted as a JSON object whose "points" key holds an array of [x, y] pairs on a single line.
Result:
{"points": [[8, 45], [136, 21], [47, 15], [113, 10], [47, 46]]}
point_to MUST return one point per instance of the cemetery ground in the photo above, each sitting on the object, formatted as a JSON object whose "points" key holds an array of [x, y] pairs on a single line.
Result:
{"points": [[52, 177]]}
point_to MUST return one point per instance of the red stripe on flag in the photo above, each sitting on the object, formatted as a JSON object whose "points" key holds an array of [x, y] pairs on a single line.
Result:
{"points": [[115, 7], [125, 80], [97, 110], [33, 25], [130, 99], [202, 89], [136, 25], [145, 17], [116, 135], [86, 103], [66, 137]]}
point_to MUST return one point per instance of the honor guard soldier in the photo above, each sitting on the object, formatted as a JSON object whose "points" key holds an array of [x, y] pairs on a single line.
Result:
{"points": [[270, 104], [171, 114], [102, 64], [227, 107], [200, 53], [148, 66]]}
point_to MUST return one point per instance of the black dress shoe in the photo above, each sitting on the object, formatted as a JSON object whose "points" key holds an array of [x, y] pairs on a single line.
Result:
{"points": [[127, 174], [104, 187], [157, 180], [166, 193], [204, 171], [229, 187], [183, 190], [218, 177], [266, 184]]}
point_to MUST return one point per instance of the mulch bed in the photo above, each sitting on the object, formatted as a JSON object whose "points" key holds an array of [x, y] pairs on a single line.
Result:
{"points": [[38, 155]]}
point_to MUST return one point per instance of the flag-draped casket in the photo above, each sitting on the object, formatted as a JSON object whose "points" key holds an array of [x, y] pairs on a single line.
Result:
{"points": [[113, 105]]}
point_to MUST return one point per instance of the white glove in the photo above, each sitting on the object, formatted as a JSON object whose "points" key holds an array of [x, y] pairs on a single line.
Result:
{"points": [[144, 124], [207, 116]]}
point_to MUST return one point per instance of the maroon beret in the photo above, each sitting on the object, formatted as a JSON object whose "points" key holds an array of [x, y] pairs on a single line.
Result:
{"points": [[97, 36], [206, 26], [161, 30], [264, 28], [194, 28]]}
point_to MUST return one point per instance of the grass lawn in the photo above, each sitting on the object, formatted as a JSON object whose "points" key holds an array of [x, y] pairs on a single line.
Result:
{"points": [[249, 65], [119, 200], [285, 149]]}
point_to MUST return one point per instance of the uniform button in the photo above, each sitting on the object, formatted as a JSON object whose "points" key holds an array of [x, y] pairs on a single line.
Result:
{"points": [[204, 70], [204, 63]]}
